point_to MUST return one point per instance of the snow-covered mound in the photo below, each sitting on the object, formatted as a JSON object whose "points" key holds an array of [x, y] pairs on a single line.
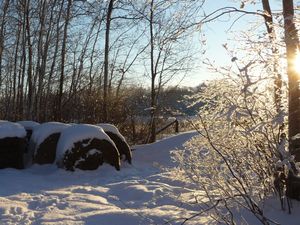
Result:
{"points": [[118, 139], [107, 127], [86, 146], [10, 129], [43, 142], [28, 125], [44, 130], [12, 145], [79, 132]]}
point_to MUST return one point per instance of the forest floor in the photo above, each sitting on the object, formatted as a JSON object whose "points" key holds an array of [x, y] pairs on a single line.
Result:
{"points": [[141, 193]]}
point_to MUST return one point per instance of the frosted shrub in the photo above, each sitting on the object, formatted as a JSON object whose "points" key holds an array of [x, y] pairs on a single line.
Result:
{"points": [[232, 160]]}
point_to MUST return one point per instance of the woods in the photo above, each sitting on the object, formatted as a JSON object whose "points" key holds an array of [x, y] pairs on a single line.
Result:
{"points": [[63, 58]]}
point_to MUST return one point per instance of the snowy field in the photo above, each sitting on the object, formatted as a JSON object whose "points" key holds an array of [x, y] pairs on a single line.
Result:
{"points": [[141, 193]]}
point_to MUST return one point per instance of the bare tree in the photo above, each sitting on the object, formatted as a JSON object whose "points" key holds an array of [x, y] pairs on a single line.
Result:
{"points": [[166, 34], [268, 17], [63, 55], [106, 59], [2, 31], [30, 60]]}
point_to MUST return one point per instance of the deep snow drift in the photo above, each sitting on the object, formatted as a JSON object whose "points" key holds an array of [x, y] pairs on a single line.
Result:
{"points": [[140, 193]]}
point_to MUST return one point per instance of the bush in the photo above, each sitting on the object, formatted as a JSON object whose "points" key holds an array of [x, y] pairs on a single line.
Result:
{"points": [[234, 157]]}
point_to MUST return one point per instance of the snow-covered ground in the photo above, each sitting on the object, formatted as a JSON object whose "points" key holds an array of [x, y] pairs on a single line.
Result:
{"points": [[140, 193]]}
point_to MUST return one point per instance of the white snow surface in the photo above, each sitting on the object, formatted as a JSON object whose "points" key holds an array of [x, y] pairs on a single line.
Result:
{"points": [[41, 132], [111, 128], [27, 124], [78, 132], [139, 194], [10, 129], [297, 136], [171, 119]]}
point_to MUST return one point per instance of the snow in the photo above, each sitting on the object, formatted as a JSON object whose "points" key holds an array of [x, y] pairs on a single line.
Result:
{"points": [[94, 151], [297, 136], [10, 129], [141, 193], [27, 124], [77, 133], [138, 194], [149, 109], [171, 119], [111, 128], [41, 132]]}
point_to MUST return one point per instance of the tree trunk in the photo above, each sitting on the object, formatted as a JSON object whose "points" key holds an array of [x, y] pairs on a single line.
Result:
{"points": [[2, 29], [292, 42], [91, 77], [106, 59], [30, 63], [63, 58], [15, 69], [43, 44], [272, 36], [23, 70], [152, 137], [53, 66]]}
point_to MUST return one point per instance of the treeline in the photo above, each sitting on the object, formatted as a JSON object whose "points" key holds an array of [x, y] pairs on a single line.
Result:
{"points": [[70, 60]]}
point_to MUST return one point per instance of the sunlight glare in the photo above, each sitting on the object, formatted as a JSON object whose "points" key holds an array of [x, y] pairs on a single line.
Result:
{"points": [[297, 62]]}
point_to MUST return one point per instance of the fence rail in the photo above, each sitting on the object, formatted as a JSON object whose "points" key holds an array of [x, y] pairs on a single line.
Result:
{"points": [[168, 125]]}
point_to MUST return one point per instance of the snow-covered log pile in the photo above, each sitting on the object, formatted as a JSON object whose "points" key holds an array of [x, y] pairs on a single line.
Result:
{"points": [[118, 139], [86, 147], [12, 145], [70, 146], [29, 126], [43, 142]]}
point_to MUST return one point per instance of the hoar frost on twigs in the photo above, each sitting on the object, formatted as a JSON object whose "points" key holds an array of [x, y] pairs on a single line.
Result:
{"points": [[234, 156]]}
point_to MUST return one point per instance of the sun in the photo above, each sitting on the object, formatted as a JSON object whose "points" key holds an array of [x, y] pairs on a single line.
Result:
{"points": [[297, 62]]}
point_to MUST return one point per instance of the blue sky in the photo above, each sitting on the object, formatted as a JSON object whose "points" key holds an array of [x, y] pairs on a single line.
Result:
{"points": [[217, 34]]}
